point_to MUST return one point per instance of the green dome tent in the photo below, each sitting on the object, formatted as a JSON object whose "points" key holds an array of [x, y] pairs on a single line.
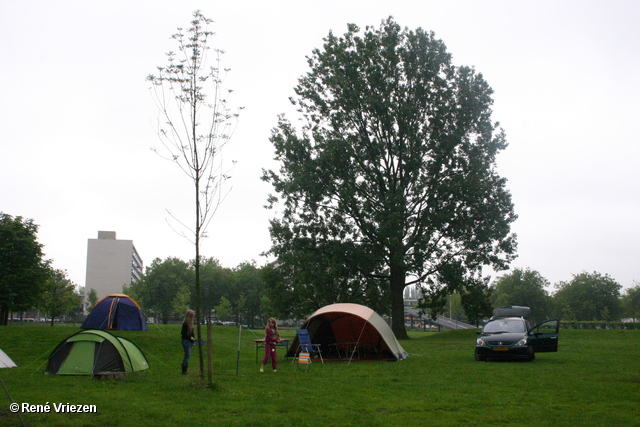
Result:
{"points": [[96, 352]]}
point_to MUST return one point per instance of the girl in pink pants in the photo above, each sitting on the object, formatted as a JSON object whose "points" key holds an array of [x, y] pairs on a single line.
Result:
{"points": [[272, 336]]}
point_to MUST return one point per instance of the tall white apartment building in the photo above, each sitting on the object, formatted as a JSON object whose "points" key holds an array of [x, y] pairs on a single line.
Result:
{"points": [[111, 263]]}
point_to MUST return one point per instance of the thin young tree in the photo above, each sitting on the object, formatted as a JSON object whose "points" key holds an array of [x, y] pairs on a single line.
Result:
{"points": [[195, 124]]}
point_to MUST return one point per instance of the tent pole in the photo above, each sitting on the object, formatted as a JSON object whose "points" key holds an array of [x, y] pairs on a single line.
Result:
{"points": [[364, 325], [238, 359], [11, 400], [210, 353]]}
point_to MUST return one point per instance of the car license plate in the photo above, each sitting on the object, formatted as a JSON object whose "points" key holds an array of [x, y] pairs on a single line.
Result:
{"points": [[500, 348]]}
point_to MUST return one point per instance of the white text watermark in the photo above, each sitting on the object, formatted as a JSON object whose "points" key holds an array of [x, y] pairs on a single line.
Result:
{"points": [[59, 408]]}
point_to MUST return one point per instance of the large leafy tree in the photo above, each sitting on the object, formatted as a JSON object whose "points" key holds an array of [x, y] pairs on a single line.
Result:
{"points": [[395, 161], [589, 296], [526, 288], [23, 270]]}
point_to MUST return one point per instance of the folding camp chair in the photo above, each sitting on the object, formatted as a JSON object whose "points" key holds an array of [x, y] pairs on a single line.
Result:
{"points": [[304, 360], [305, 345]]}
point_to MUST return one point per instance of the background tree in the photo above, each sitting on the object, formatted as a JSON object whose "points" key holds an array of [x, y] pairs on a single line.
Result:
{"points": [[223, 309], [249, 280], [313, 275], [23, 271], [472, 297], [158, 288], [395, 160], [196, 125], [476, 302], [266, 308], [182, 301], [92, 298], [631, 302], [589, 296], [280, 299], [524, 288], [59, 295], [216, 281]]}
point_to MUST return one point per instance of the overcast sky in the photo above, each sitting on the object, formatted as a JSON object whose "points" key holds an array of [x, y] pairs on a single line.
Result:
{"points": [[77, 119]]}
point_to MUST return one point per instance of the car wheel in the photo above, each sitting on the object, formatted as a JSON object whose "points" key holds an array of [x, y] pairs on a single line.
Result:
{"points": [[480, 357], [531, 355]]}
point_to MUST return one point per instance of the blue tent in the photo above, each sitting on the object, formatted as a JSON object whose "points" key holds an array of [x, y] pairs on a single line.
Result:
{"points": [[116, 311]]}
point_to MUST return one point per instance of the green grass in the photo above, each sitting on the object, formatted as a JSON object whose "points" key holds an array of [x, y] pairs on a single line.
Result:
{"points": [[594, 380]]}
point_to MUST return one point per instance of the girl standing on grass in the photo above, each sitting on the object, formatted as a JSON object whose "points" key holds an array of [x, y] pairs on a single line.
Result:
{"points": [[187, 339], [272, 337]]}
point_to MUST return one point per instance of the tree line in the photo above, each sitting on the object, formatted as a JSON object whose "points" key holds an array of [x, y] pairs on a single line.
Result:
{"points": [[248, 294], [167, 289], [586, 297]]}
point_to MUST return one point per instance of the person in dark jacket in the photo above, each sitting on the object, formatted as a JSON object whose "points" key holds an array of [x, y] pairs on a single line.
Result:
{"points": [[188, 339]]}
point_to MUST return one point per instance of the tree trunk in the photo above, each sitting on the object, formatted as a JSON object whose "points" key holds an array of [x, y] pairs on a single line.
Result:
{"points": [[197, 168], [198, 293], [209, 354], [4, 317], [397, 281]]}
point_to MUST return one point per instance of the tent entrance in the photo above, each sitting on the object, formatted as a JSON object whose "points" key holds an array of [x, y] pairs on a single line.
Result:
{"points": [[79, 361], [351, 332], [348, 337]]}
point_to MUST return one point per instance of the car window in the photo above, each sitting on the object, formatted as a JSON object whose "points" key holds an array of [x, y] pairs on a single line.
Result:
{"points": [[547, 327], [504, 325]]}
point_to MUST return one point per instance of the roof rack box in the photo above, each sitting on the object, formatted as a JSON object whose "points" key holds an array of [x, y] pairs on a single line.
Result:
{"points": [[512, 311]]}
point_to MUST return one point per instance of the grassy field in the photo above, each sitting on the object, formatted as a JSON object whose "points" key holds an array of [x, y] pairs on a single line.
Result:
{"points": [[594, 380]]}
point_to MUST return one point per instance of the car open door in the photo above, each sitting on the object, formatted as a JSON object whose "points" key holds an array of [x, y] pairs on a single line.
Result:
{"points": [[544, 337]]}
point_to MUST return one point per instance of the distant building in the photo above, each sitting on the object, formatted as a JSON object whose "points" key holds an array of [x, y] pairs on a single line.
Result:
{"points": [[111, 263]]}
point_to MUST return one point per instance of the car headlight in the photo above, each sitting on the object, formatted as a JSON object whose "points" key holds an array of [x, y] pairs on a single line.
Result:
{"points": [[521, 343], [480, 342]]}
